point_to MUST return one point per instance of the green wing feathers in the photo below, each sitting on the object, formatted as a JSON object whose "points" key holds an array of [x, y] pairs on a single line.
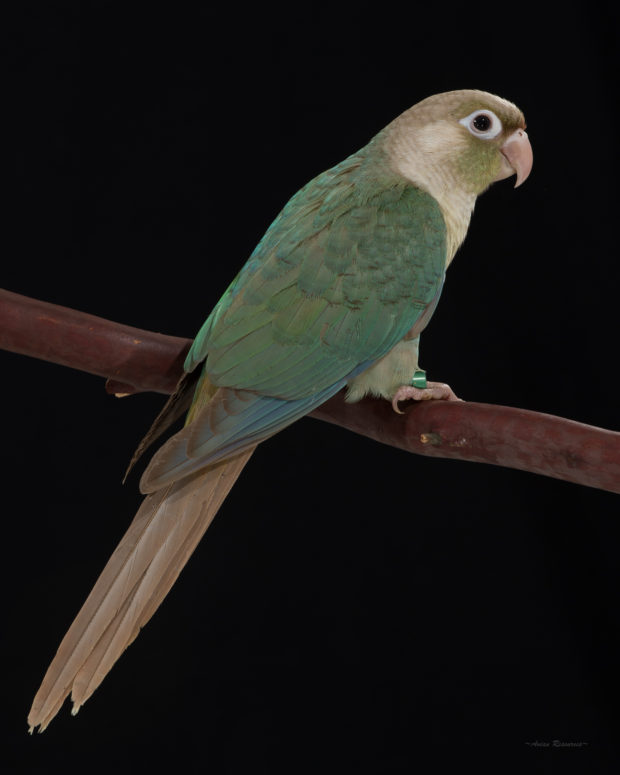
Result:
{"points": [[338, 279], [343, 273]]}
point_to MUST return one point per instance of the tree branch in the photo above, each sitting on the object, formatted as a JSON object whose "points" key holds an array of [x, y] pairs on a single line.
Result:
{"points": [[135, 360]]}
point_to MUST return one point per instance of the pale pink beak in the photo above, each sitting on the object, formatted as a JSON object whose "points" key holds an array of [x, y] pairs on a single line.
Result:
{"points": [[518, 157]]}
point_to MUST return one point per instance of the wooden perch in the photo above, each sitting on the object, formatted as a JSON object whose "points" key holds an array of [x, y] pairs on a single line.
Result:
{"points": [[134, 360]]}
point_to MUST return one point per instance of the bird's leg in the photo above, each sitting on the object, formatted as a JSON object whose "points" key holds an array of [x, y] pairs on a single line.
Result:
{"points": [[421, 390]]}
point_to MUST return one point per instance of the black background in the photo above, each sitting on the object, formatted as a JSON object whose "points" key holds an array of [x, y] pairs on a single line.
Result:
{"points": [[353, 608]]}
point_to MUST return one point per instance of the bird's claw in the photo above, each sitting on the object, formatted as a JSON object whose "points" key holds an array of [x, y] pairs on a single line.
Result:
{"points": [[437, 391]]}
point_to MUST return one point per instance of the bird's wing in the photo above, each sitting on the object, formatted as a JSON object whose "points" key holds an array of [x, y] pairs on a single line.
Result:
{"points": [[340, 277]]}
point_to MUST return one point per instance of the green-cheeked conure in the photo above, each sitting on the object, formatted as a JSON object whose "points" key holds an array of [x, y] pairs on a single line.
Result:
{"points": [[334, 296]]}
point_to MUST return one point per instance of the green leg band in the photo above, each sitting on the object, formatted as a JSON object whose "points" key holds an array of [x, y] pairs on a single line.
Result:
{"points": [[419, 379]]}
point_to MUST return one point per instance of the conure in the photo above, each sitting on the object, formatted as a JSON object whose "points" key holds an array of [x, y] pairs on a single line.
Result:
{"points": [[335, 295]]}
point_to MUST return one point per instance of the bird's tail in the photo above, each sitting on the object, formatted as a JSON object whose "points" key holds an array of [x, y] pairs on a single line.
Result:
{"points": [[137, 577]]}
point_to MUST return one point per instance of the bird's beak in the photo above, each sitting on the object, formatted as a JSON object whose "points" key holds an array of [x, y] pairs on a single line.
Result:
{"points": [[517, 157]]}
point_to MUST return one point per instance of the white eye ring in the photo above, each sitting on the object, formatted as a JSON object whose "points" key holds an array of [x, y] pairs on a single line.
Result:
{"points": [[482, 123]]}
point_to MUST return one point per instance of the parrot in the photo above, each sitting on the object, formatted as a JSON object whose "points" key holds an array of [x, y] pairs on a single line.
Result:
{"points": [[334, 296]]}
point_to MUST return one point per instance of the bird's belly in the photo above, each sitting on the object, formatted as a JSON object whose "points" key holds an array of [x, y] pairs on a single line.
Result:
{"points": [[385, 376]]}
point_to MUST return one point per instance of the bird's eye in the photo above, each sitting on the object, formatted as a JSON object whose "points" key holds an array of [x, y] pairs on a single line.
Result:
{"points": [[482, 123]]}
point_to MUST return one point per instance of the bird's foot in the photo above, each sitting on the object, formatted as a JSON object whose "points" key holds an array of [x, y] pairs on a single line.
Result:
{"points": [[437, 391]]}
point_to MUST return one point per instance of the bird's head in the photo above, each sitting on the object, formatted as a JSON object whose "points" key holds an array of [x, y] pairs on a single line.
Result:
{"points": [[467, 138]]}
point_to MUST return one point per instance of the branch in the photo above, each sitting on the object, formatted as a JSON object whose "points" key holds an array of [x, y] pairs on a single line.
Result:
{"points": [[134, 360], [131, 359]]}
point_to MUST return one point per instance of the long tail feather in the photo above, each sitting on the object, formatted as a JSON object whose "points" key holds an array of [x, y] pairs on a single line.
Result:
{"points": [[137, 577]]}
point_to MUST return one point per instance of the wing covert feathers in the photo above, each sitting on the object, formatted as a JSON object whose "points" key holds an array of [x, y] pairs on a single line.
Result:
{"points": [[137, 577]]}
